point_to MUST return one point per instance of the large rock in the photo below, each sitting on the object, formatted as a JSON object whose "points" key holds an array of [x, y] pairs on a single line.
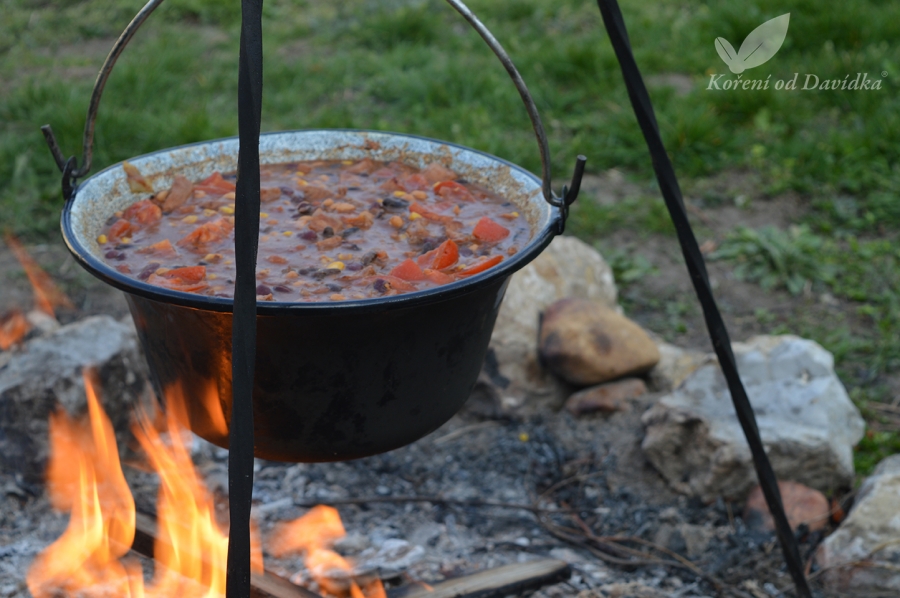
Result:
{"points": [[862, 555], [807, 422], [585, 342], [46, 374], [567, 268]]}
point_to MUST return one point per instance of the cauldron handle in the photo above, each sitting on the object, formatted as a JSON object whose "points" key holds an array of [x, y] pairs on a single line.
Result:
{"points": [[69, 166], [569, 193]]}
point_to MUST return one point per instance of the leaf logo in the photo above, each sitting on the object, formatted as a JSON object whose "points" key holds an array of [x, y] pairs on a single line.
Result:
{"points": [[761, 45]]}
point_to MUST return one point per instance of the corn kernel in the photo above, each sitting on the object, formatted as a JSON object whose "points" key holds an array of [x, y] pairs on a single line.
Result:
{"points": [[212, 258], [291, 275], [336, 265], [420, 195], [229, 195], [228, 262], [396, 221], [226, 210], [189, 219], [347, 162], [211, 276], [337, 297], [415, 216], [102, 239], [510, 216], [399, 193], [345, 256], [126, 240], [302, 183], [207, 212], [288, 233], [263, 214]]}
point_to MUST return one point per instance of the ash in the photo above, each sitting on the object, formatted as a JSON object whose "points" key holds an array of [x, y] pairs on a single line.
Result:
{"points": [[590, 468]]}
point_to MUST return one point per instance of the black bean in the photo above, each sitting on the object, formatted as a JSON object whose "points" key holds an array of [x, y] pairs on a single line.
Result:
{"points": [[148, 270], [306, 271], [350, 246], [309, 235], [430, 244], [112, 254], [465, 251], [353, 188], [349, 231], [303, 207], [320, 274], [282, 289], [111, 220], [334, 288], [327, 232], [394, 203], [380, 286], [288, 191], [266, 230], [368, 258], [262, 289], [354, 266]]}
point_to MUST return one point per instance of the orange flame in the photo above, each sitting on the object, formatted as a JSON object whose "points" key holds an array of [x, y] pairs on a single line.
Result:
{"points": [[47, 295], [13, 328], [190, 545], [314, 534], [84, 476]]}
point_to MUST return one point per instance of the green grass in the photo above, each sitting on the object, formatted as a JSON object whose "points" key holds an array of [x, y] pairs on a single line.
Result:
{"points": [[415, 66]]}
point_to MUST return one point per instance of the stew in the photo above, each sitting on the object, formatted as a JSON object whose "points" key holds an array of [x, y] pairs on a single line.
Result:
{"points": [[329, 231]]}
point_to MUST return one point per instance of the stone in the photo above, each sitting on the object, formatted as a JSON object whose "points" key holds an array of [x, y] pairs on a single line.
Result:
{"points": [[802, 505], [806, 420], [584, 342], [634, 589], [675, 364], [46, 374], [863, 553], [684, 538], [606, 398], [568, 267]]}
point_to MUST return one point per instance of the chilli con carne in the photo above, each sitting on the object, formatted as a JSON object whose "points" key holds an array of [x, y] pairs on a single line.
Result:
{"points": [[329, 231]]}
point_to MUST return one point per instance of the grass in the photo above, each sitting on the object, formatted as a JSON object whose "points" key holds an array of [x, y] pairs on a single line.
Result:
{"points": [[412, 66]]}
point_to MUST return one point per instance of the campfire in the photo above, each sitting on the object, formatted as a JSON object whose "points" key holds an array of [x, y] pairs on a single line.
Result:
{"points": [[92, 557]]}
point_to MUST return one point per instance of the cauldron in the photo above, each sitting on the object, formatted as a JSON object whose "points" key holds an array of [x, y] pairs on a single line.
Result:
{"points": [[333, 381]]}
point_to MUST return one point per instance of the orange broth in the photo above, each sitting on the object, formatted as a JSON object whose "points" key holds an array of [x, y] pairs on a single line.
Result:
{"points": [[329, 231]]}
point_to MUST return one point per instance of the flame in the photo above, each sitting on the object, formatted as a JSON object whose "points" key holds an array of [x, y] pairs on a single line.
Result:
{"points": [[190, 546], [47, 295], [13, 328], [85, 477], [314, 534]]}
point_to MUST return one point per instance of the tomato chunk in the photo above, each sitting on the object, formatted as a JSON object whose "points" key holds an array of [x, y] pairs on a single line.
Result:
{"points": [[480, 266], [453, 191], [438, 277], [161, 248], [444, 256], [208, 232], [489, 231], [417, 208], [188, 274], [119, 229], [408, 270], [215, 184], [143, 212]]}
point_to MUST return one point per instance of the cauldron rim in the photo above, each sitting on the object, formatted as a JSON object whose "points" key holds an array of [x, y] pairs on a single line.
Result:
{"points": [[539, 240]]}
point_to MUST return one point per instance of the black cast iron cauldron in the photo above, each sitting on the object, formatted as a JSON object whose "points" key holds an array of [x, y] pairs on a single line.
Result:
{"points": [[333, 381]]}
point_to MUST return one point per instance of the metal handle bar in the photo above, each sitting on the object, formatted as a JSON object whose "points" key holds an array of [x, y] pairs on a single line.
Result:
{"points": [[71, 171]]}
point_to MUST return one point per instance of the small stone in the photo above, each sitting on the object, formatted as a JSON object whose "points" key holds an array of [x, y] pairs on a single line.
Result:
{"points": [[606, 398], [585, 342], [634, 589], [674, 366], [568, 267], [802, 504], [862, 555]]}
